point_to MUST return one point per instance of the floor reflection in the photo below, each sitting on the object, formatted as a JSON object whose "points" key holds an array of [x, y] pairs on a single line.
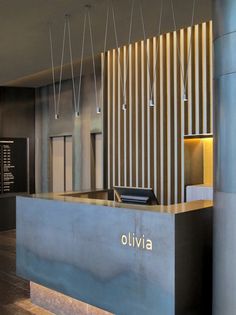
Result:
{"points": [[14, 291]]}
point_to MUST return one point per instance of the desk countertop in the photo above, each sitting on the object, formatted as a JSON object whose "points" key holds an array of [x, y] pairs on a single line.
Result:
{"points": [[169, 209]]}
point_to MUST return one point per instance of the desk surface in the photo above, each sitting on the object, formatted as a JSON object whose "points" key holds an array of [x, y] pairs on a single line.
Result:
{"points": [[170, 209]]}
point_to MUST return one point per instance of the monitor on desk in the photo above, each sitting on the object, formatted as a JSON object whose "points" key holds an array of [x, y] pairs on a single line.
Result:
{"points": [[142, 196]]}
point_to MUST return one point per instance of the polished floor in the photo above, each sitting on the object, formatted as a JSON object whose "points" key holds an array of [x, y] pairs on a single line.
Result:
{"points": [[14, 291]]}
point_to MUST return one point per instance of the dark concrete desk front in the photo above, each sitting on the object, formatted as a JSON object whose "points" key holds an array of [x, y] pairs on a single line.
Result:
{"points": [[128, 260]]}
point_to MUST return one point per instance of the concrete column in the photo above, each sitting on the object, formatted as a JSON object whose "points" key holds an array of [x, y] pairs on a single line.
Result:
{"points": [[224, 257]]}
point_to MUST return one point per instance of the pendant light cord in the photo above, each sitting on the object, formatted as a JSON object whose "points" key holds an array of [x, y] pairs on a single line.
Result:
{"points": [[122, 80], [105, 42], [129, 42], [53, 70], [145, 42], [93, 58], [67, 26], [117, 44], [157, 50], [61, 68], [151, 82], [81, 63], [190, 44], [57, 98], [87, 16], [184, 76], [71, 62]]}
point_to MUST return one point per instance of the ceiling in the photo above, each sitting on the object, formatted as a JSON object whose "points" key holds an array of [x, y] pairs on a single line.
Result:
{"points": [[24, 36]]}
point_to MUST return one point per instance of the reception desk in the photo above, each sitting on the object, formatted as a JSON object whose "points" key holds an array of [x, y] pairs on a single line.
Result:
{"points": [[7, 212], [120, 258]]}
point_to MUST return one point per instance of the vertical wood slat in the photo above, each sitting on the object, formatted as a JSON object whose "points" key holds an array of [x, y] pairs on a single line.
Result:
{"points": [[161, 83], [146, 102], [211, 76], [139, 122], [143, 111], [182, 112], [122, 115], [196, 46], [119, 121], [150, 148], [125, 119], [154, 64], [175, 80], [152, 114], [137, 108], [189, 78], [164, 123], [204, 80], [130, 69], [169, 114], [108, 118], [129, 106], [193, 80], [114, 90]]}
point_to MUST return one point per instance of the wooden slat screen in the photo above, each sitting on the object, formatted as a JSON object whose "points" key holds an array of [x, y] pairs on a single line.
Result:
{"points": [[145, 144]]}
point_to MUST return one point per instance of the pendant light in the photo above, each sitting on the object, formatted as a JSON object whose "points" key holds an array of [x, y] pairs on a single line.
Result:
{"points": [[104, 51], [57, 94], [98, 108], [71, 63], [88, 17], [123, 80], [184, 75], [151, 102], [77, 107]]}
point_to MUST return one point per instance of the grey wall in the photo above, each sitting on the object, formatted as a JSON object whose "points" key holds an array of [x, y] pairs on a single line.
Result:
{"points": [[80, 128], [17, 119]]}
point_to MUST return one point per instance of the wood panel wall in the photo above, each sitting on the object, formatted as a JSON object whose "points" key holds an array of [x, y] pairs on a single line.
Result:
{"points": [[145, 144]]}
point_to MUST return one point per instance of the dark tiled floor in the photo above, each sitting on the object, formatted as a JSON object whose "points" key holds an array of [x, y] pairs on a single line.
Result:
{"points": [[14, 291]]}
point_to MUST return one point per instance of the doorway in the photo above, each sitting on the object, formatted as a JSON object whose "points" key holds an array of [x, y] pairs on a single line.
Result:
{"points": [[96, 161], [61, 159]]}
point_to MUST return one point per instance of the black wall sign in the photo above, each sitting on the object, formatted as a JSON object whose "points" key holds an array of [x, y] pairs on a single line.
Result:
{"points": [[13, 165]]}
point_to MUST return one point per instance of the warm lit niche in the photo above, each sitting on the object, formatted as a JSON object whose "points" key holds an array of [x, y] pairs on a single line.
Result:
{"points": [[198, 157]]}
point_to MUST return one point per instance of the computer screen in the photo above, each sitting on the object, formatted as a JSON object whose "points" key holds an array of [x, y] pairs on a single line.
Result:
{"points": [[143, 196]]}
